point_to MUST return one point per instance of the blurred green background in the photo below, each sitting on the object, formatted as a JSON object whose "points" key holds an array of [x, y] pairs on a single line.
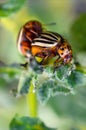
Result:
{"points": [[63, 112]]}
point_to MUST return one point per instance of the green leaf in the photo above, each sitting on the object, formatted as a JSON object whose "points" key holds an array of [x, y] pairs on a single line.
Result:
{"points": [[27, 76], [52, 83], [47, 82], [51, 88], [63, 81], [61, 89], [28, 123], [9, 73], [76, 79], [72, 106], [10, 6], [78, 33], [44, 91], [77, 82], [25, 85], [63, 71]]}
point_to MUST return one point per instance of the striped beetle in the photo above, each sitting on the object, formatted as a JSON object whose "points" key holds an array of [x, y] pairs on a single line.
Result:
{"points": [[31, 30], [42, 45], [50, 45]]}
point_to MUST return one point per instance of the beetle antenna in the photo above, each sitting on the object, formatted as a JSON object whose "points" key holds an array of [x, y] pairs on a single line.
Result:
{"points": [[50, 24]]}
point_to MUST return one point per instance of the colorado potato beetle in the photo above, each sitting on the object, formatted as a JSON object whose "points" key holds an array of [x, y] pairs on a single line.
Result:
{"points": [[31, 30], [50, 45], [43, 46]]}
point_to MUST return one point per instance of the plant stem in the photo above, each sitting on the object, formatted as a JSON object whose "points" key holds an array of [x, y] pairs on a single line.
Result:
{"points": [[32, 101]]}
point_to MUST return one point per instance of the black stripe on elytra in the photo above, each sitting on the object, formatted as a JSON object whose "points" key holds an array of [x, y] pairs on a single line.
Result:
{"points": [[53, 34], [43, 41], [46, 37], [50, 34], [58, 35]]}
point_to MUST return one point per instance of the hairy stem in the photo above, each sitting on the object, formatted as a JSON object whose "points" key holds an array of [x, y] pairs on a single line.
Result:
{"points": [[32, 101]]}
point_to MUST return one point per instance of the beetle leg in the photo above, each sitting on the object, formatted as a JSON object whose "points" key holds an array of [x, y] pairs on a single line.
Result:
{"points": [[24, 65], [56, 66], [58, 63], [47, 55], [44, 61]]}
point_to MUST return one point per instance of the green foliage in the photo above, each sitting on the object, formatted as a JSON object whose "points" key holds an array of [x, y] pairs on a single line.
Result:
{"points": [[71, 106], [25, 85], [78, 33], [77, 79], [28, 123], [51, 88], [63, 82], [47, 83], [9, 73], [10, 6]]}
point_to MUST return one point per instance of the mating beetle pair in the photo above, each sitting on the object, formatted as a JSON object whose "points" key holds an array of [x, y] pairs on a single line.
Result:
{"points": [[34, 41]]}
